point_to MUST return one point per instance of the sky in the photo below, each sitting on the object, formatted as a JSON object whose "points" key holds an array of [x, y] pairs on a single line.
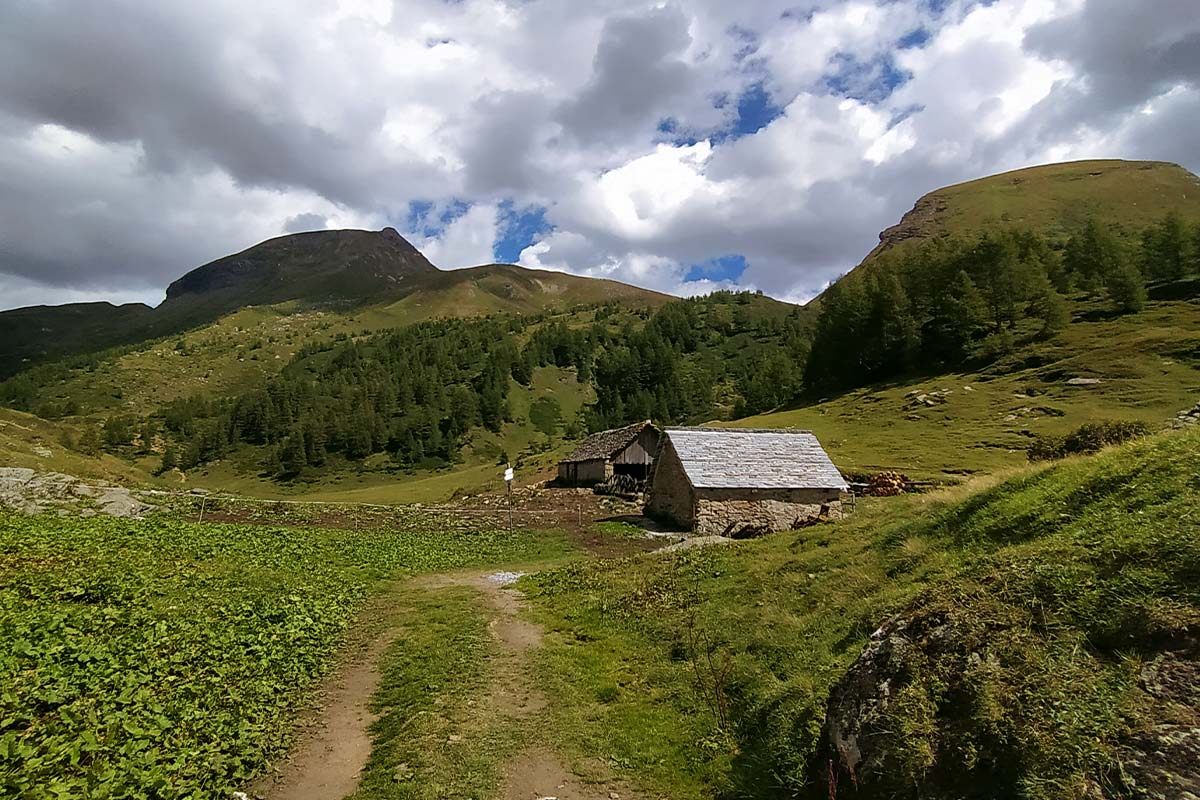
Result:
{"points": [[682, 146]]}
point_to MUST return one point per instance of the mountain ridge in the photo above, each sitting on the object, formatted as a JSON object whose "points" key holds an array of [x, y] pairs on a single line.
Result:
{"points": [[334, 269]]}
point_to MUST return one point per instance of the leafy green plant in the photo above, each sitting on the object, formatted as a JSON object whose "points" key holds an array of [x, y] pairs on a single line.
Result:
{"points": [[164, 659]]}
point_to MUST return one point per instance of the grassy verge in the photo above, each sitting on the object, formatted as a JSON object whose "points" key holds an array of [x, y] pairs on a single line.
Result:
{"points": [[1060, 581], [425, 745], [161, 658]]}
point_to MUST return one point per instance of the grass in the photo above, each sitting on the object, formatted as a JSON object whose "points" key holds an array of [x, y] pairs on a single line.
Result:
{"points": [[1057, 199], [1061, 581], [162, 658], [35, 443], [431, 673], [1148, 364]]}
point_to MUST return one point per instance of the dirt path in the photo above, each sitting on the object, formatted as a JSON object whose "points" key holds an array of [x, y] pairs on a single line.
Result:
{"points": [[335, 742], [536, 772]]}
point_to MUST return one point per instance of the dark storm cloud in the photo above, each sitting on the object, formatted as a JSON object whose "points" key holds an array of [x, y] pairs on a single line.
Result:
{"points": [[637, 69], [160, 74], [1125, 52]]}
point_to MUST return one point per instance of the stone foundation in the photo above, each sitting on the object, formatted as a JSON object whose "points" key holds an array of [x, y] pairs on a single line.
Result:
{"points": [[730, 516]]}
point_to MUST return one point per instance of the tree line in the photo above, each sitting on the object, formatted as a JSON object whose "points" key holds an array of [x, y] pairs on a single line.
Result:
{"points": [[954, 301]]}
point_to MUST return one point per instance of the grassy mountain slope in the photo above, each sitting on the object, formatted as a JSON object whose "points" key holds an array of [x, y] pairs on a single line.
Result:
{"points": [[1148, 365], [372, 279], [35, 443], [41, 333], [1047, 593], [1053, 199]]}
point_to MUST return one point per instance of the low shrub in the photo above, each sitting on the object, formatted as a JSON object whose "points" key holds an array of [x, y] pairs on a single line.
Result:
{"points": [[1087, 438]]}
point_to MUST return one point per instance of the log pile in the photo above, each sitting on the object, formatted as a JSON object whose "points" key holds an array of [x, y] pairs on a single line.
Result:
{"points": [[887, 484]]}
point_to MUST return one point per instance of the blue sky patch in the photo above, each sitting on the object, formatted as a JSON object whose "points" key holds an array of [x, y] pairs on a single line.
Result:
{"points": [[429, 219], [866, 81], [756, 110], [915, 38], [724, 268], [676, 134], [518, 228]]}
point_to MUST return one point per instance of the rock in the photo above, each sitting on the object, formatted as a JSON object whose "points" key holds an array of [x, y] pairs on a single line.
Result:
{"points": [[694, 541], [1084, 381], [1159, 755]]}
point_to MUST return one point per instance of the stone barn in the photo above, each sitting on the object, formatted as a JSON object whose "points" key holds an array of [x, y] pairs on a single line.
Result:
{"points": [[721, 481], [623, 451]]}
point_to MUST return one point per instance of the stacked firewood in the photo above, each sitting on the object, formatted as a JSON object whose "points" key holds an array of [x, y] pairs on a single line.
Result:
{"points": [[887, 484]]}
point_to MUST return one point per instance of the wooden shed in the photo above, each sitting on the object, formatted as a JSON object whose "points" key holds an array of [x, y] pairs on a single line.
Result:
{"points": [[719, 481], [622, 451]]}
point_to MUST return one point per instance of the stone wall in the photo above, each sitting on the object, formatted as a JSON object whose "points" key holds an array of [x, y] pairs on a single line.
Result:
{"points": [[671, 497], [722, 512]]}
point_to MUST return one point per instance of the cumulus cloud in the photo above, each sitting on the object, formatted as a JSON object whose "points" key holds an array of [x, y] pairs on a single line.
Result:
{"points": [[140, 139], [308, 221], [466, 241]]}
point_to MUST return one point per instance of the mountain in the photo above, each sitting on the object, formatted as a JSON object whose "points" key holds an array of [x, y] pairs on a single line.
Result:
{"points": [[1052, 199], [954, 343], [378, 273], [317, 267], [41, 333]]}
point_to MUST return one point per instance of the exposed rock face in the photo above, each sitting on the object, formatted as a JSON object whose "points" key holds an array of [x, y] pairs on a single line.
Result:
{"points": [[1162, 762], [915, 223]]}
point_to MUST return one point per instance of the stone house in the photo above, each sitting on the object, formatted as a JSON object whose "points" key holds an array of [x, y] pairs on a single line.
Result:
{"points": [[623, 451], [719, 481]]}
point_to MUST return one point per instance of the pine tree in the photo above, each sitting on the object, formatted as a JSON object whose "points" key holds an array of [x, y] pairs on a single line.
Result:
{"points": [[1049, 306], [170, 459], [1127, 289], [1091, 255], [1165, 249]]}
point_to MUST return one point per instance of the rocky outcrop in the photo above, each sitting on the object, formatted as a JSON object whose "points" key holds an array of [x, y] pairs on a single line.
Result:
{"points": [[34, 492], [913, 717], [1187, 417]]}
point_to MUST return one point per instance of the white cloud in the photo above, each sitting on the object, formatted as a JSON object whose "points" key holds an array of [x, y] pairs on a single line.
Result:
{"points": [[467, 241], [173, 134]]}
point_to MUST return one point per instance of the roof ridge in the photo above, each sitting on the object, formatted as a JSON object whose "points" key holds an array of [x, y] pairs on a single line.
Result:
{"points": [[707, 429]]}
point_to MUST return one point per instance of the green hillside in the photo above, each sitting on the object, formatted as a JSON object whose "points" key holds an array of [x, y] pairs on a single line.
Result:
{"points": [[1013, 626], [1053, 199], [42, 333], [351, 280], [945, 426]]}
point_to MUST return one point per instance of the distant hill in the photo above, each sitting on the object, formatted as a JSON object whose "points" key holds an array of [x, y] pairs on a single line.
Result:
{"points": [[1052, 199], [42, 333], [353, 271], [318, 267]]}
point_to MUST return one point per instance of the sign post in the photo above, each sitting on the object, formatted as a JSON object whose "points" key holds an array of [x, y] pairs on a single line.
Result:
{"points": [[508, 480]]}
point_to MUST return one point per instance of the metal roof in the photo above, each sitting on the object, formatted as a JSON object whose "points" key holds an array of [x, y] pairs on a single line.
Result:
{"points": [[606, 444], [754, 458]]}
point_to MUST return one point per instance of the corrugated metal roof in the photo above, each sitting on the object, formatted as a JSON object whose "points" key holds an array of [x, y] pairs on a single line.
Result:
{"points": [[753, 458], [606, 444]]}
